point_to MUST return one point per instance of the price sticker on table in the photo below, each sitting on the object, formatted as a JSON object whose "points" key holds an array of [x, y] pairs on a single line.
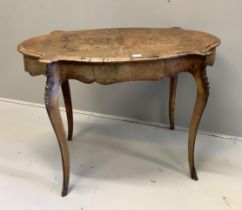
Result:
{"points": [[136, 56]]}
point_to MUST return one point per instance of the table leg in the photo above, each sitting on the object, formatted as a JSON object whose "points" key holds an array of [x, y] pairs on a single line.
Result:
{"points": [[172, 100], [53, 84], [202, 84], [68, 104]]}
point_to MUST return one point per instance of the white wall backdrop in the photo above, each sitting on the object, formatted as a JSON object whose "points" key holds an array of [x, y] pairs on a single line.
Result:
{"points": [[142, 100]]}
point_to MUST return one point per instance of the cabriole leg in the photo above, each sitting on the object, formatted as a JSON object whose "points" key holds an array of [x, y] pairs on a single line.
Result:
{"points": [[53, 84], [68, 104], [202, 84], [172, 100]]}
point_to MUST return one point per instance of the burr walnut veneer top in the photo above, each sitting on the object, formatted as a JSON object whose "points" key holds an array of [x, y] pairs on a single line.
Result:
{"points": [[118, 45]]}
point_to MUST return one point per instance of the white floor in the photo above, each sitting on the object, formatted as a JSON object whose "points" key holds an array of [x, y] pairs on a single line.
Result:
{"points": [[115, 165]]}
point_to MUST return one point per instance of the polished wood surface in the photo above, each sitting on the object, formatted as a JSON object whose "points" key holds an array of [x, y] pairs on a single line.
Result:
{"points": [[110, 56], [118, 45]]}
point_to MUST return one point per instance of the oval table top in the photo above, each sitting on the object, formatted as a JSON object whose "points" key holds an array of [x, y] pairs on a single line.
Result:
{"points": [[118, 45]]}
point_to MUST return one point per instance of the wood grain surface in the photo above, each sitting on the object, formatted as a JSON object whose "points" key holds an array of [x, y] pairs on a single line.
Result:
{"points": [[118, 45]]}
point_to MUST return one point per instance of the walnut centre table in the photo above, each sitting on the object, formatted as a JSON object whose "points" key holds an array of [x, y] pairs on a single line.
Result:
{"points": [[108, 56]]}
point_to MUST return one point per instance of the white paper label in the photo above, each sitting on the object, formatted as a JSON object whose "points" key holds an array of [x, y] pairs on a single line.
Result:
{"points": [[136, 56]]}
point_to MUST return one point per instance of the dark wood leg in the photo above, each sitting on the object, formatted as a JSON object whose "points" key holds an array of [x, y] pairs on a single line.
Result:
{"points": [[68, 104], [202, 84], [172, 100], [53, 84]]}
